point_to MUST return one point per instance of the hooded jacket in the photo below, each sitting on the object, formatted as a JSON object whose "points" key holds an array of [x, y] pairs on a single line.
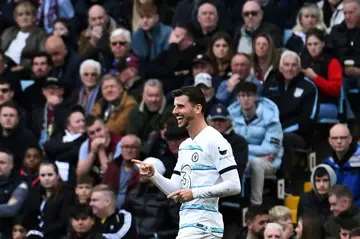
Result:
{"points": [[312, 202]]}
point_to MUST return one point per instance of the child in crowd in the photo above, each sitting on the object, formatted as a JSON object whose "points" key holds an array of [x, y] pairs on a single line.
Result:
{"points": [[32, 159], [19, 231], [84, 187]]}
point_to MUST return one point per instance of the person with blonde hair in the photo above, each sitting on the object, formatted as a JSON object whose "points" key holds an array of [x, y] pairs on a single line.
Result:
{"points": [[282, 216]]}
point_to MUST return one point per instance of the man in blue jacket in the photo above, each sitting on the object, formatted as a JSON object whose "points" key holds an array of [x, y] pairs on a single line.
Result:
{"points": [[345, 159], [257, 120]]}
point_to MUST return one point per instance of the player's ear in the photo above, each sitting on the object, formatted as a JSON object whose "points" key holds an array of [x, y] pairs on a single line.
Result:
{"points": [[198, 108]]}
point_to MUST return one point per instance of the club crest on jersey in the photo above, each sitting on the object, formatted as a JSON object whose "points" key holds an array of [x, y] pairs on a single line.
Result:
{"points": [[195, 157]]}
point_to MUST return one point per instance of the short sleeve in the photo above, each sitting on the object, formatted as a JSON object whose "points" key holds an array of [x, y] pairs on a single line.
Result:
{"points": [[222, 155], [84, 150]]}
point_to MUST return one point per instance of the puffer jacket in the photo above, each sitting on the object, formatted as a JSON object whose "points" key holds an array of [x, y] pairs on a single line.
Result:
{"points": [[263, 134]]}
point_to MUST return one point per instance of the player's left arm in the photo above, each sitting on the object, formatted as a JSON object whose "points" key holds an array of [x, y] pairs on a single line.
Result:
{"points": [[223, 159]]}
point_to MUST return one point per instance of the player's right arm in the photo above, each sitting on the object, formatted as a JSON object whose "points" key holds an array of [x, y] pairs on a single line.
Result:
{"points": [[167, 186]]}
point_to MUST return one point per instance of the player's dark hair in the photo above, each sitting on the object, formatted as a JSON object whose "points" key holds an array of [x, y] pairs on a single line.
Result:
{"points": [[320, 172], [195, 95], [256, 210]]}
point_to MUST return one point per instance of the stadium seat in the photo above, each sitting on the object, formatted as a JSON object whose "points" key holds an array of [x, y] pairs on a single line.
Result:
{"points": [[292, 202], [307, 187]]}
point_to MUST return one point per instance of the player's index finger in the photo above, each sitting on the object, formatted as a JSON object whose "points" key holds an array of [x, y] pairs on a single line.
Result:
{"points": [[173, 194], [136, 161]]}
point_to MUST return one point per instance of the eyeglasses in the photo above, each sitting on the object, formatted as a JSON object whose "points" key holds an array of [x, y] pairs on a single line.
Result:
{"points": [[131, 147], [336, 138], [4, 90], [93, 74], [121, 43], [250, 13]]}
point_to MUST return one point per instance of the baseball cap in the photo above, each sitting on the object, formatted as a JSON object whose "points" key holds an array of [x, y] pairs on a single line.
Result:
{"points": [[52, 81], [130, 61], [203, 78], [173, 132], [218, 111], [203, 59]]}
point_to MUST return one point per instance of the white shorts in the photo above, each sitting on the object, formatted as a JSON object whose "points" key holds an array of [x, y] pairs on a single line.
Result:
{"points": [[193, 233]]}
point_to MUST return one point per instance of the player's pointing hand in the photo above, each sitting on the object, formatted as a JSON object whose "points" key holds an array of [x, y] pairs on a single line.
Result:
{"points": [[182, 195], [146, 170]]}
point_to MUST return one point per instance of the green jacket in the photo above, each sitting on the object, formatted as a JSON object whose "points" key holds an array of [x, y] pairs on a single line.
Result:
{"points": [[332, 228], [140, 123]]}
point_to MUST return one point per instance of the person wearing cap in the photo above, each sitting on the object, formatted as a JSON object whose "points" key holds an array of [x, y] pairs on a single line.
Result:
{"points": [[51, 117], [145, 200], [204, 82], [115, 106], [257, 120], [219, 118], [172, 64], [151, 38], [202, 63], [145, 118], [63, 147], [240, 72]]}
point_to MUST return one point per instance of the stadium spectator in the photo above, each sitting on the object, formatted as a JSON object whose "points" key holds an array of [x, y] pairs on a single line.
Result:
{"points": [[347, 224], [256, 219], [115, 105], [122, 175], [89, 93], [13, 136], [100, 148], [83, 189], [146, 118], [66, 62], [63, 147], [63, 28], [273, 231], [172, 64], [204, 82], [257, 120], [325, 71], [333, 12], [282, 216], [47, 208], [18, 230], [355, 234], [341, 205], [21, 41], [40, 71], [151, 38], [297, 100], [145, 200], [82, 223], [13, 193], [32, 160], [241, 71], [310, 226], [309, 16], [344, 158], [110, 221], [49, 119], [96, 36], [49, 11], [220, 50], [264, 59], [253, 25], [316, 202]]}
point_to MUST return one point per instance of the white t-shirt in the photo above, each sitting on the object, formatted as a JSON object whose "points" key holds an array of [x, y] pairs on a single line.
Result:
{"points": [[16, 46], [201, 163]]}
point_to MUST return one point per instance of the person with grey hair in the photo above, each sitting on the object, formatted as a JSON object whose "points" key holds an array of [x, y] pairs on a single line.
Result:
{"points": [[100, 25], [13, 193], [89, 93], [145, 200], [146, 118], [297, 99], [273, 231]]}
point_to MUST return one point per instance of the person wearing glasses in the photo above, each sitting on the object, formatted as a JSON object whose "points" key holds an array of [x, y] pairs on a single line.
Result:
{"points": [[122, 174], [254, 24], [345, 159]]}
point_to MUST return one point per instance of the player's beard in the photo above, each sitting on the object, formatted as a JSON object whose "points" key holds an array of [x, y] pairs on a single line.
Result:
{"points": [[185, 123]]}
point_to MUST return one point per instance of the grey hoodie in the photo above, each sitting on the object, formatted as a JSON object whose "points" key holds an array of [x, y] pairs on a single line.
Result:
{"points": [[330, 171]]}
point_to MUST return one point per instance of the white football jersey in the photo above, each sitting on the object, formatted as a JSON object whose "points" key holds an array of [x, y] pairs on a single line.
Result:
{"points": [[200, 164]]}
